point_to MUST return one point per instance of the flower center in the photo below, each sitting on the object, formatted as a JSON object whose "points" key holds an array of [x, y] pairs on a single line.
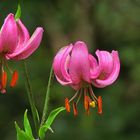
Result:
{"points": [[102, 76]]}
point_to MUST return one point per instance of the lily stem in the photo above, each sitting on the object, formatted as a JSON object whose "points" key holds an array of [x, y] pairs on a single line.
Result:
{"points": [[31, 98], [47, 97]]}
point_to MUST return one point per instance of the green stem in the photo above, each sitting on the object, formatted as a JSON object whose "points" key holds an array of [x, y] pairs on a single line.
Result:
{"points": [[47, 97], [31, 98]]}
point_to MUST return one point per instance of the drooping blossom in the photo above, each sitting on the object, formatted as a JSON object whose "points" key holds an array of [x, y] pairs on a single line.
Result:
{"points": [[15, 44], [74, 66]]}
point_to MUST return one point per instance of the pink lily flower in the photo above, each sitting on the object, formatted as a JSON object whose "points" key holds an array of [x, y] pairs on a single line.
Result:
{"points": [[15, 44], [74, 66]]}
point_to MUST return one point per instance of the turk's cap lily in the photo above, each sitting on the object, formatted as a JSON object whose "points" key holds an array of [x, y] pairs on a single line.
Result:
{"points": [[15, 41], [73, 65], [15, 44]]}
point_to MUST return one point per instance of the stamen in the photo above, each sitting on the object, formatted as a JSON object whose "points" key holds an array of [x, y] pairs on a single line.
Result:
{"points": [[14, 79], [7, 67], [99, 101], [74, 96], [3, 79], [92, 94], [79, 97], [67, 105], [86, 102], [75, 111], [92, 104]]}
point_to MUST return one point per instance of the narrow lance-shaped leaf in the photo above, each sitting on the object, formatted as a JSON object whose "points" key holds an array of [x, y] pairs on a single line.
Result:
{"points": [[27, 126], [21, 135], [47, 125]]}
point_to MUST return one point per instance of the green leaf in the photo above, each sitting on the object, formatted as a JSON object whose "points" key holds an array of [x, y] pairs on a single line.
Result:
{"points": [[27, 126], [37, 115], [21, 135], [27, 134], [52, 116], [47, 125], [18, 12]]}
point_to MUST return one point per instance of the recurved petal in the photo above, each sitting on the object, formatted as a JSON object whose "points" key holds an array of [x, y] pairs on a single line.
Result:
{"points": [[65, 62], [8, 35], [23, 34], [94, 68], [32, 44], [112, 76], [105, 61], [60, 65], [79, 67]]}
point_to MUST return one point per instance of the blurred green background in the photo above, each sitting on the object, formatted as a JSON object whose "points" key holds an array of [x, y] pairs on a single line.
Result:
{"points": [[102, 24]]}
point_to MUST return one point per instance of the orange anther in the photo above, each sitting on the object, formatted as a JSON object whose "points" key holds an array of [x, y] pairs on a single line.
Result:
{"points": [[67, 105], [3, 79], [86, 102], [75, 111], [99, 101], [14, 79]]}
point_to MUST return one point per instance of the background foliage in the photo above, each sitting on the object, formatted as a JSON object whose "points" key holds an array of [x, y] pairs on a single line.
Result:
{"points": [[102, 24]]}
